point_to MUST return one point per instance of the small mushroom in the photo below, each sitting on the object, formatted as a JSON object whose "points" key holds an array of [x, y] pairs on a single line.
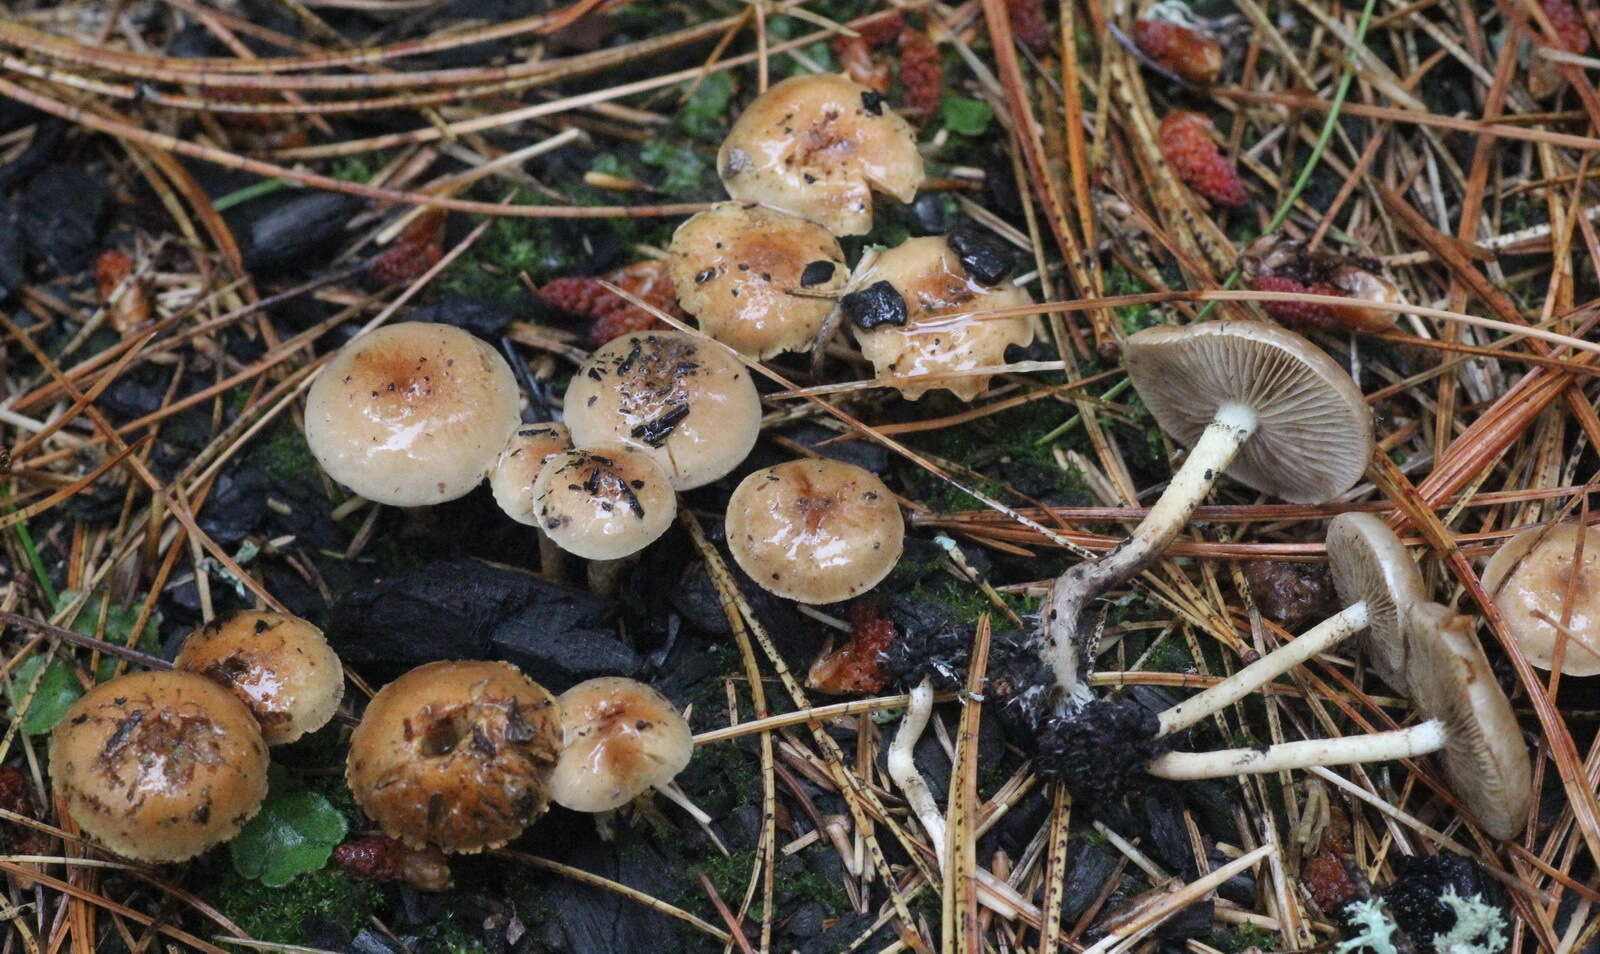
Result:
{"points": [[688, 404], [159, 766], [411, 414], [817, 146], [758, 280], [1529, 578], [281, 667], [455, 754], [620, 739], [815, 531], [603, 502], [908, 315], [511, 479]]}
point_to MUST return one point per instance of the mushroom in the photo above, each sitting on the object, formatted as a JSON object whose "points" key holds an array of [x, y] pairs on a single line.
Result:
{"points": [[817, 146], [1471, 724], [511, 482], [1529, 579], [814, 531], [688, 404], [620, 739], [603, 502], [411, 414], [758, 280], [280, 666], [1253, 400], [159, 766], [455, 754], [908, 313]]}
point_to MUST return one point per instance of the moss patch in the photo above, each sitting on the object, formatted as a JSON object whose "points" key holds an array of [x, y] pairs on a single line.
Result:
{"points": [[277, 914]]}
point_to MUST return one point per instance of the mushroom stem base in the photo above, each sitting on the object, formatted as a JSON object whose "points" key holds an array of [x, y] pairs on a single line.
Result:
{"points": [[1318, 639], [1420, 739]]}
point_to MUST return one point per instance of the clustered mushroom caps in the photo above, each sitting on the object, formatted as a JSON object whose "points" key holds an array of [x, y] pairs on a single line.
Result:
{"points": [[603, 502], [518, 466], [281, 667], [411, 414], [620, 739], [1529, 579], [815, 531], [817, 146], [455, 754], [159, 766], [758, 280]]}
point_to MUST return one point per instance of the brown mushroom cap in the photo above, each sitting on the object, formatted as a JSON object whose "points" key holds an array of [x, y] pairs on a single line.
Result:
{"points": [[929, 276], [1530, 574], [817, 146], [1370, 564], [687, 403], [1484, 755], [620, 739], [758, 280], [603, 502], [281, 667], [159, 766], [455, 754], [815, 531], [411, 414], [519, 464], [1314, 433]]}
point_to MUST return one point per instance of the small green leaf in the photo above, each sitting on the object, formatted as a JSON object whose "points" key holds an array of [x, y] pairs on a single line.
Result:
{"points": [[294, 834], [119, 626], [58, 689], [967, 117], [705, 115]]}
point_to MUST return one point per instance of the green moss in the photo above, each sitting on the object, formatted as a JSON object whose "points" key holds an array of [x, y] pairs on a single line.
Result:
{"points": [[1241, 938], [284, 456], [447, 937], [276, 914], [1005, 445], [964, 602], [1170, 655], [729, 875], [811, 886], [1120, 281]]}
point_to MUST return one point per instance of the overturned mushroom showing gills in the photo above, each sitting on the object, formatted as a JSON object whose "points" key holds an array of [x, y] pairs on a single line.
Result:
{"points": [[1259, 403], [818, 146], [931, 282], [620, 738], [1529, 579], [159, 766], [1471, 725], [687, 403], [815, 531], [758, 280], [604, 502], [455, 754], [280, 666], [411, 414]]}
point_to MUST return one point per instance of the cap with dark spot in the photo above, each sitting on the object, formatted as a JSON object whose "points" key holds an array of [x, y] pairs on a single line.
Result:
{"points": [[280, 666], [603, 502], [519, 464], [620, 739]]}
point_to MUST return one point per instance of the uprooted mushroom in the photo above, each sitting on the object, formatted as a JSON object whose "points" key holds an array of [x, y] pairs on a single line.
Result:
{"points": [[1541, 581]]}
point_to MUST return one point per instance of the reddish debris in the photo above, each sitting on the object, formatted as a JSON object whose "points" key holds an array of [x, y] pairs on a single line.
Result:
{"points": [[417, 248], [1277, 264], [16, 796], [614, 315], [858, 665], [921, 74], [1297, 312], [1030, 25], [384, 859], [882, 32], [1186, 53], [132, 308], [1328, 881], [857, 62], [1188, 147], [109, 270], [1564, 16]]}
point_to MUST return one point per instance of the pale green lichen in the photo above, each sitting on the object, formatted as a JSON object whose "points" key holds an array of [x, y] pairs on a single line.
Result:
{"points": [[1376, 931], [1480, 928]]}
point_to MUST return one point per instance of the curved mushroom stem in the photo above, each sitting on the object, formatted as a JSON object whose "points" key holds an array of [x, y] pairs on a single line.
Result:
{"points": [[1230, 427], [1420, 739], [903, 767], [1319, 638]]}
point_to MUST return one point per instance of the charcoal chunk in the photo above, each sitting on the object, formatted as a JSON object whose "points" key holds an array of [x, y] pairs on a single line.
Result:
{"points": [[291, 230], [984, 256], [63, 213], [480, 318], [877, 304]]}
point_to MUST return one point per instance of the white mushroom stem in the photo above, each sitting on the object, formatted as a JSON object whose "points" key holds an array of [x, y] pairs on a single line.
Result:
{"points": [[1230, 427], [1420, 739], [1318, 639], [903, 766]]}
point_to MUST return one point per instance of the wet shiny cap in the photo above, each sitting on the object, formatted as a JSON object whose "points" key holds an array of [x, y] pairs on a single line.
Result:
{"points": [[455, 754], [815, 531], [1313, 435], [519, 464], [929, 275], [685, 402], [1371, 564], [281, 667], [818, 146], [603, 502], [758, 280], [411, 414], [1529, 577], [159, 766], [621, 738]]}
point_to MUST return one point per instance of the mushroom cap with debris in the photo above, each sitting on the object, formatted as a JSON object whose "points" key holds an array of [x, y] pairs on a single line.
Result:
{"points": [[525, 453], [280, 666], [1529, 578], [1371, 564], [455, 754], [620, 738], [758, 280], [818, 146], [411, 414], [159, 766], [603, 502]]}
